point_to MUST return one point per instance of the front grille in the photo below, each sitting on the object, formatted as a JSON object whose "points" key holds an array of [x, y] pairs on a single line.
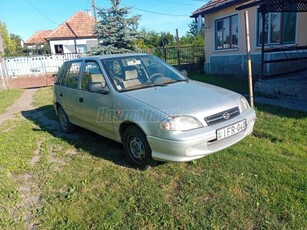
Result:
{"points": [[220, 117]]}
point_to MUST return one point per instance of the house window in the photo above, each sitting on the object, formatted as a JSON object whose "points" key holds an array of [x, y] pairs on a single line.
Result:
{"points": [[226, 33], [58, 49], [280, 28], [81, 49]]}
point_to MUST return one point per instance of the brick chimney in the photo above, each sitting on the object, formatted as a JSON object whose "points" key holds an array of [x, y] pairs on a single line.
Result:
{"points": [[89, 12]]}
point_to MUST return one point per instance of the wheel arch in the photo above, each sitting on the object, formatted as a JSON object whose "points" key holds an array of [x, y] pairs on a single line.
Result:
{"points": [[124, 125], [57, 105]]}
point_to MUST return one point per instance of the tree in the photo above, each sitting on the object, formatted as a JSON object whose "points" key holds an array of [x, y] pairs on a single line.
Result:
{"points": [[193, 36], [193, 28], [16, 41], [116, 31], [9, 45], [11, 42], [154, 39]]}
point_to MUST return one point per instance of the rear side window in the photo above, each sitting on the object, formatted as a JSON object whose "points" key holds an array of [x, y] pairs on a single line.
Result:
{"points": [[70, 77], [62, 72]]}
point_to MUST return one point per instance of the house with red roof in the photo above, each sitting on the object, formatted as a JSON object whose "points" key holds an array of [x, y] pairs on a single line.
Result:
{"points": [[39, 38], [277, 29], [73, 36]]}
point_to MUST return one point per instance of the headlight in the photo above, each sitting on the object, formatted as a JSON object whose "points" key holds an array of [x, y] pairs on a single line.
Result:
{"points": [[244, 104], [180, 123]]}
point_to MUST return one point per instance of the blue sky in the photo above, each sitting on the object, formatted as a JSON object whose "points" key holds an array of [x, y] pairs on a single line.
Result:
{"points": [[25, 17]]}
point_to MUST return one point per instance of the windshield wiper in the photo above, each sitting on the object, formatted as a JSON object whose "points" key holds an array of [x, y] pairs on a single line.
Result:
{"points": [[159, 84], [175, 81]]}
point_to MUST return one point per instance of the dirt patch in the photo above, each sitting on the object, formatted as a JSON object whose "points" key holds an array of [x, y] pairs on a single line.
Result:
{"points": [[21, 104], [28, 183], [30, 199], [37, 156]]}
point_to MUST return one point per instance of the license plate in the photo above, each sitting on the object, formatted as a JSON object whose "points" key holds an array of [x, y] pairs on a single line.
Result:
{"points": [[230, 130]]}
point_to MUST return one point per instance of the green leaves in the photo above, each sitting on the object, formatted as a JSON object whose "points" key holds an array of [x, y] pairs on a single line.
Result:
{"points": [[115, 31]]}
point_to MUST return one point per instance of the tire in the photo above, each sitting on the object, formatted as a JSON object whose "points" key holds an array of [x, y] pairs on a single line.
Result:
{"points": [[137, 149], [66, 126]]}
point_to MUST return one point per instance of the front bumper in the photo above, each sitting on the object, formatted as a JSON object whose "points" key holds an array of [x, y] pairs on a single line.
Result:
{"points": [[199, 145]]}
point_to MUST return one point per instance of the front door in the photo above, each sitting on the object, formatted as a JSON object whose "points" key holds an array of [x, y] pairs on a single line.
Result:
{"points": [[95, 110]]}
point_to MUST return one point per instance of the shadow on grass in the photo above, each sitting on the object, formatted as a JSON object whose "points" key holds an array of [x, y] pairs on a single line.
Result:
{"points": [[83, 139], [281, 112]]}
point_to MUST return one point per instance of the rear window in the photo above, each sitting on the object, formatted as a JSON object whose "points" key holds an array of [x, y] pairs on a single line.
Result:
{"points": [[69, 74], [62, 72]]}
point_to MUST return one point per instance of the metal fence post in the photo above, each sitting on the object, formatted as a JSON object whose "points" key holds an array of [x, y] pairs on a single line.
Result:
{"points": [[178, 52], [3, 77], [164, 54]]}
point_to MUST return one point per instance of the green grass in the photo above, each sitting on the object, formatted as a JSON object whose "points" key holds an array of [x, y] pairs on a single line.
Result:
{"points": [[236, 84], [259, 183], [8, 97], [43, 99]]}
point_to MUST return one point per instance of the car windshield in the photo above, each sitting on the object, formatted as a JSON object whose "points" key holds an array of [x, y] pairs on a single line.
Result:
{"points": [[134, 72]]}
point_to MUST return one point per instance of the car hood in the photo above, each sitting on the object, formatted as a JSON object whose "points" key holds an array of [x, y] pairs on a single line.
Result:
{"points": [[187, 98]]}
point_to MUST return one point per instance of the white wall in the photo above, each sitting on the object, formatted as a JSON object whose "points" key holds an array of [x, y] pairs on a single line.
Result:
{"points": [[69, 45]]}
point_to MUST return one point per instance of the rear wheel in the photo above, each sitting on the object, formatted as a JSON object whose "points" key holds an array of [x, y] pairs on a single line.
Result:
{"points": [[137, 149], [66, 125]]}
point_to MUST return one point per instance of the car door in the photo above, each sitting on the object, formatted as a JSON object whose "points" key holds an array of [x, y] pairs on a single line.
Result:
{"points": [[67, 90], [95, 110]]}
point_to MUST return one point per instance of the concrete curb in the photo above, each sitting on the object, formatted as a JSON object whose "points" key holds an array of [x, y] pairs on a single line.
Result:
{"points": [[300, 105]]}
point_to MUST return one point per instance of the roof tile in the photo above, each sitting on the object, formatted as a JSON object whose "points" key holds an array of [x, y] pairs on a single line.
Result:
{"points": [[38, 37], [215, 5], [78, 26]]}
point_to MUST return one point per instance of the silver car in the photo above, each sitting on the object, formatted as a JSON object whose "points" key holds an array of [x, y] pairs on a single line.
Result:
{"points": [[152, 109]]}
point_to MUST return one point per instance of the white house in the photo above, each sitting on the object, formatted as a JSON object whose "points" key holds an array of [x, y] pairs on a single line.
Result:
{"points": [[282, 50], [74, 35]]}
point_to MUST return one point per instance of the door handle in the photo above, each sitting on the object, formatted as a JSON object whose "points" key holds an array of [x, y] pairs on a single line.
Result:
{"points": [[81, 99], [61, 94]]}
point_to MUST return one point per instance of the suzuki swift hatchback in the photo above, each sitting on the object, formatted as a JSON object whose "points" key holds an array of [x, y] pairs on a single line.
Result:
{"points": [[153, 110]]}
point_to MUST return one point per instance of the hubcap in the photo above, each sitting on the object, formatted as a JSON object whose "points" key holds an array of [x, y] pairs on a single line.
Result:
{"points": [[137, 149]]}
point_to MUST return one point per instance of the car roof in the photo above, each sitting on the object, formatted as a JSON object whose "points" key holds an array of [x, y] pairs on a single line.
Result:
{"points": [[107, 56]]}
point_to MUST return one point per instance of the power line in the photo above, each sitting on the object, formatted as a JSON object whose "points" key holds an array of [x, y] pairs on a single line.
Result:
{"points": [[38, 11], [153, 12], [86, 4], [177, 3]]}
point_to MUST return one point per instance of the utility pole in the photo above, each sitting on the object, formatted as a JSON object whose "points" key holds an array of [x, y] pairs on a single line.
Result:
{"points": [[178, 53], [249, 60], [94, 8]]}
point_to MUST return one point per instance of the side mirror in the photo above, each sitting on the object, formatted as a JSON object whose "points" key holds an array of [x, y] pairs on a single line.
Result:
{"points": [[97, 87], [184, 73]]}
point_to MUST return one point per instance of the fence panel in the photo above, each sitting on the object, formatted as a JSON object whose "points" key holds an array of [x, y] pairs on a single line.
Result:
{"points": [[187, 54], [50, 64], [35, 65]]}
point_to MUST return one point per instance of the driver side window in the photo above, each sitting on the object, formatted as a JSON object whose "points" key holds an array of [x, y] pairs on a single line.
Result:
{"points": [[91, 74], [154, 67]]}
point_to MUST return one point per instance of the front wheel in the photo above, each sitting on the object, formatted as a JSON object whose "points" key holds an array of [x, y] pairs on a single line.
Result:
{"points": [[137, 149]]}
